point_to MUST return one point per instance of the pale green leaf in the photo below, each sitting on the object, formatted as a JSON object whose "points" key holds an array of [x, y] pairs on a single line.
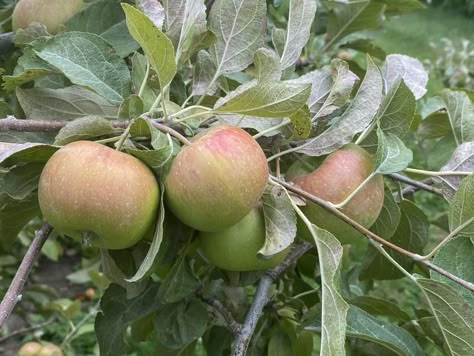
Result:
{"points": [[461, 209], [267, 65], [460, 111], [392, 154], [84, 128], [204, 70]]}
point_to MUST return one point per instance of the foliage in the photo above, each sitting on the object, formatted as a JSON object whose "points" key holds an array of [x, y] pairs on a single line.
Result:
{"points": [[304, 78]]}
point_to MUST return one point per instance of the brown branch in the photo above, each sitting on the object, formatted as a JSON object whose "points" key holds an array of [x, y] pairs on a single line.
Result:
{"points": [[13, 295], [415, 184], [13, 124], [233, 325], [328, 206], [241, 342]]}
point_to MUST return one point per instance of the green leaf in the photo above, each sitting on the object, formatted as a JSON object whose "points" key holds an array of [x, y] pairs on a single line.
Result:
{"points": [[21, 180], [397, 111], [146, 267], [131, 108], [454, 316], [179, 282], [239, 27], [149, 94], [300, 18], [349, 17], [377, 306], [203, 74], [178, 324], [301, 121], [364, 326], [357, 117], [88, 60], [118, 312], [461, 114], [392, 154], [461, 209], [280, 220], [456, 257], [66, 307], [25, 153], [157, 47], [267, 65], [399, 66], [106, 19], [270, 99], [462, 159], [389, 218], [63, 104], [334, 308], [84, 128], [399, 7], [435, 125]]}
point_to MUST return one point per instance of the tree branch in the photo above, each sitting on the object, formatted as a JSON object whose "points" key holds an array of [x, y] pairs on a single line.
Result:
{"points": [[261, 297], [12, 124], [329, 207], [13, 295], [233, 325], [416, 184]]}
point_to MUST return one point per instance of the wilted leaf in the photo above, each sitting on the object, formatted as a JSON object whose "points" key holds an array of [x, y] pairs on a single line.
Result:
{"points": [[300, 18], [157, 47], [64, 104], [88, 60], [355, 119]]}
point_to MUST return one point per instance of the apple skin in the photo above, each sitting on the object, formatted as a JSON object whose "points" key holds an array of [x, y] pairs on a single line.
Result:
{"points": [[236, 248], [90, 189], [337, 177], [52, 13], [36, 349], [214, 182]]}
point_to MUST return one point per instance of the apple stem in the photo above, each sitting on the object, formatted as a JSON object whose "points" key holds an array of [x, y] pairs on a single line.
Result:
{"points": [[13, 295], [437, 174]]}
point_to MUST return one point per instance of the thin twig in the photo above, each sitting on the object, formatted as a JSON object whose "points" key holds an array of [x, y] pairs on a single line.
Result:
{"points": [[415, 183], [13, 295], [233, 325], [408, 190], [329, 207], [26, 330], [261, 298]]}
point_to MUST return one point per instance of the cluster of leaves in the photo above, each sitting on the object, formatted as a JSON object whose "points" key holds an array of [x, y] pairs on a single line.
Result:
{"points": [[253, 64]]}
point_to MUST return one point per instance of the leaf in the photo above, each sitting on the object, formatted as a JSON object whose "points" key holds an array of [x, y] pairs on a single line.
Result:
{"points": [[377, 306], [301, 121], [106, 19], [149, 94], [21, 180], [461, 209], [435, 125], [25, 153], [239, 26], [204, 70], [397, 111], [131, 107], [154, 10], [389, 218], [252, 122], [357, 117], [364, 326], [157, 47], [461, 160], [146, 267], [280, 220], [118, 312], [331, 87], [456, 257], [63, 104], [270, 99], [460, 113], [84, 128], [267, 65], [300, 18], [279, 344], [334, 308], [88, 60], [179, 282], [399, 66], [349, 17], [454, 316], [178, 324], [411, 234], [392, 154]]}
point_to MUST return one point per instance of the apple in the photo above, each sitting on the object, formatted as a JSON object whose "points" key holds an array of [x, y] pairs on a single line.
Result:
{"points": [[334, 180], [214, 182], [92, 192], [52, 13], [36, 349], [236, 248]]}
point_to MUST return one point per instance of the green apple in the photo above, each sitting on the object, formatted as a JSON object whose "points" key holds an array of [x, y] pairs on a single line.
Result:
{"points": [[236, 248], [334, 180], [52, 13], [214, 182], [91, 192]]}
